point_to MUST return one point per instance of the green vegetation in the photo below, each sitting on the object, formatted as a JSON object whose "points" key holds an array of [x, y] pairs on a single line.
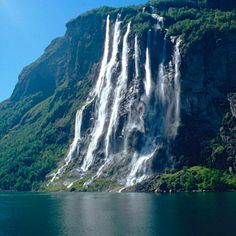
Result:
{"points": [[98, 185], [53, 188], [37, 122], [197, 178], [220, 153], [33, 147], [222, 4], [16, 111], [195, 25]]}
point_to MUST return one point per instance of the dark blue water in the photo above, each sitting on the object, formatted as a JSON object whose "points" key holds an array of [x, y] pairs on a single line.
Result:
{"points": [[107, 214]]}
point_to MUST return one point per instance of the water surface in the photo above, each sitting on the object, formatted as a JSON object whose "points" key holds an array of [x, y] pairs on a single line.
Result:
{"points": [[107, 214]]}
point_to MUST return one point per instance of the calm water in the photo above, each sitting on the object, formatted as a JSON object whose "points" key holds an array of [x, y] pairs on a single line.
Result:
{"points": [[107, 214]]}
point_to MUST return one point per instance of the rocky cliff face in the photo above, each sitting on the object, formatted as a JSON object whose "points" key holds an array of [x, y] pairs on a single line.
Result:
{"points": [[147, 91], [37, 121], [59, 63], [207, 79]]}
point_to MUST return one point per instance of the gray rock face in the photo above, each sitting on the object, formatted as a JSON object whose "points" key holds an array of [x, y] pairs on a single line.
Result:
{"points": [[68, 58], [208, 75], [232, 102]]}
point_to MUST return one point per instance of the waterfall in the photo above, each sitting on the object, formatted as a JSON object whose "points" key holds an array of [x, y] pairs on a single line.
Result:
{"points": [[177, 87], [159, 19], [162, 83], [105, 59], [136, 56], [136, 110], [79, 115], [148, 78], [169, 95], [74, 146], [135, 115], [140, 161], [169, 90], [139, 170], [132, 118], [102, 103], [121, 87]]}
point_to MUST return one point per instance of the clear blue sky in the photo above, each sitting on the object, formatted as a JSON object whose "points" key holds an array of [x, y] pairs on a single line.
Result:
{"points": [[28, 26]]}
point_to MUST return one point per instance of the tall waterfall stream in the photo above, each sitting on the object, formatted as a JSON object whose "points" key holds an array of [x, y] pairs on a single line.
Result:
{"points": [[136, 112]]}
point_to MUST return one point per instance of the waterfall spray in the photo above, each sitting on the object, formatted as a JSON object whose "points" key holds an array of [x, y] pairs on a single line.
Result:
{"points": [[103, 101], [132, 118], [79, 114], [177, 86], [74, 146], [119, 91], [136, 56], [104, 60], [162, 83], [169, 87], [170, 94], [148, 78], [135, 114]]}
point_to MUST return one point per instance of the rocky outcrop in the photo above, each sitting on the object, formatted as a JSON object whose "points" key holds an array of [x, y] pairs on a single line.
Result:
{"points": [[68, 58], [232, 102], [39, 116], [220, 152], [207, 77]]}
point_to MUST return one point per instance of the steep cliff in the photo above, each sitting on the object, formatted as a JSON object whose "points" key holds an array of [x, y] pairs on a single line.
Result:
{"points": [[148, 86]]}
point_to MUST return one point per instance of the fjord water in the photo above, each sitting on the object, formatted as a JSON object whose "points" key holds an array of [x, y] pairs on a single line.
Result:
{"points": [[107, 214]]}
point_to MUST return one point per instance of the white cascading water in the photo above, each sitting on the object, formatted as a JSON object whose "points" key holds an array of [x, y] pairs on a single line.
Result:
{"points": [[121, 87], [135, 115], [133, 118], [177, 86], [74, 146], [103, 100], [169, 89], [163, 80], [102, 73], [140, 169], [159, 19], [140, 162], [148, 78], [79, 114], [136, 56]]}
